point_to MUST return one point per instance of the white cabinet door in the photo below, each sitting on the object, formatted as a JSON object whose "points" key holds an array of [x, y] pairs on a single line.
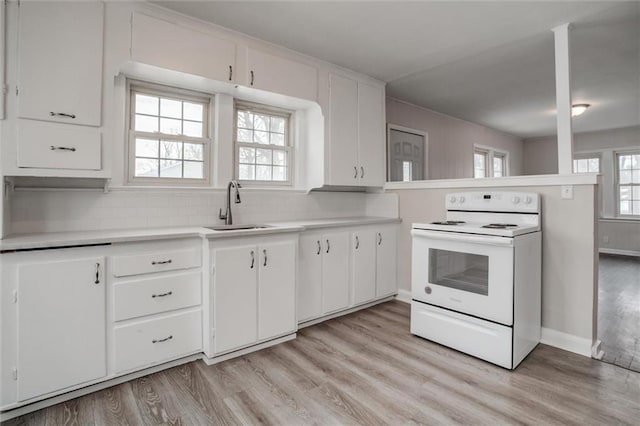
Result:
{"points": [[386, 261], [363, 266], [371, 135], [235, 297], [61, 325], [310, 277], [60, 61], [335, 272], [343, 137], [171, 46], [282, 76], [276, 289]]}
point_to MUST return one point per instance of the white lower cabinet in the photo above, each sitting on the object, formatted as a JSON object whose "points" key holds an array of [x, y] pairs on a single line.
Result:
{"points": [[254, 291], [363, 266], [386, 261]]}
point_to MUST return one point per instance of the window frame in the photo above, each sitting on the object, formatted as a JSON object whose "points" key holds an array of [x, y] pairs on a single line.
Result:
{"points": [[146, 88], [288, 148], [617, 184], [490, 153]]}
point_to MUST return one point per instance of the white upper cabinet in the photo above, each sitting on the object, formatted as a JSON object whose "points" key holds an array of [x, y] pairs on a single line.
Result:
{"points": [[175, 47], [279, 75], [371, 135], [60, 61]]}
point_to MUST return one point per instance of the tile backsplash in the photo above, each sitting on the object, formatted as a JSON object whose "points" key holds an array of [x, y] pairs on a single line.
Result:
{"points": [[69, 210]]}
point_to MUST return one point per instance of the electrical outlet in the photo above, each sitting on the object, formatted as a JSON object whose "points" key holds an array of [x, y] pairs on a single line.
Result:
{"points": [[566, 192]]}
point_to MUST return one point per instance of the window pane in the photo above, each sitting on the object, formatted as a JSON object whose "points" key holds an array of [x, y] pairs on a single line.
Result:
{"points": [[594, 165], [261, 137], [625, 207], [263, 156], [625, 193], [146, 167], [247, 155], [279, 158], [261, 122], [193, 151], [171, 150], [625, 176], [279, 173], [170, 108], [146, 148], [245, 135], [277, 139], [247, 172], [263, 172], [277, 124], [146, 104], [192, 128], [144, 123], [170, 168], [194, 169], [635, 207], [407, 167], [636, 193], [245, 119], [582, 166], [193, 111], [625, 161], [170, 126], [635, 176]]}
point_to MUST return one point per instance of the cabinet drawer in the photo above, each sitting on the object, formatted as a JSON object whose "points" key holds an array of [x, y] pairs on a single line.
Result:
{"points": [[156, 262], [148, 296], [58, 146], [153, 341]]}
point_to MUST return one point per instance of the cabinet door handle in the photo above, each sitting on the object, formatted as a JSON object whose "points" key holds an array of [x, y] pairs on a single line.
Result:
{"points": [[169, 293], [161, 262], [62, 148], [361, 172], [230, 72], [251, 72], [319, 248], [355, 174], [61, 114], [328, 246], [97, 281], [253, 259], [264, 253], [379, 238], [357, 242], [162, 340]]}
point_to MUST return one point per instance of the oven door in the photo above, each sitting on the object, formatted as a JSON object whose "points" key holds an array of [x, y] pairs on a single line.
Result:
{"points": [[467, 273]]}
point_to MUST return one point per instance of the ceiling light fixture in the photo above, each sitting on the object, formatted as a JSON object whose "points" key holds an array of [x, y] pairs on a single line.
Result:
{"points": [[578, 109]]}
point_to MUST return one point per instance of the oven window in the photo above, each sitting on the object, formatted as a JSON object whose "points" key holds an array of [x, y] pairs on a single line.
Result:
{"points": [[462, 271]]}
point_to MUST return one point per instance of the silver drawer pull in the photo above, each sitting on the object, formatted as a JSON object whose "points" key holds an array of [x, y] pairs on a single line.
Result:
{"points": [[169, 293], [264, 253], [97, 281], [379, 238], [161, 262], [357, 242], [62, 148], [253, 259], [161, 340], [361, 172], [328, 246], [61, 114], [319, 247], [355, 174]]}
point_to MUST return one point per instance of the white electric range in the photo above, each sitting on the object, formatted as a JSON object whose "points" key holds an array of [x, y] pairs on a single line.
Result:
{"points": [[476, 276]]}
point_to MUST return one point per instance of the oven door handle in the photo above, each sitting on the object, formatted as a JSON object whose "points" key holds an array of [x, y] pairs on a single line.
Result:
{"points": [[463, 238]]}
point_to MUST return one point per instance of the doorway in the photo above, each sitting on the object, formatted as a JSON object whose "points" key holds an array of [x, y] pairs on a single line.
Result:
{"points": [[406, 154]]}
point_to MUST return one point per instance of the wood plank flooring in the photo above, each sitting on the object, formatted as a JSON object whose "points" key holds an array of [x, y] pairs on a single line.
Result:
{"points": [[364, 368], [619, 310]]}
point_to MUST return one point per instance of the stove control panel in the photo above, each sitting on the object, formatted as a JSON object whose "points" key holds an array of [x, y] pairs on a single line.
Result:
{"points": [[494, 201]]}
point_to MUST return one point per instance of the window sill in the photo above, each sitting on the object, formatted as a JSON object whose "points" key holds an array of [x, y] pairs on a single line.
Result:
{"points": [[620, 219]]}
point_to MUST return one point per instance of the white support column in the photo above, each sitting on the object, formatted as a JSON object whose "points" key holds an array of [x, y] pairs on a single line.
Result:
{"points": [[563, 99]]}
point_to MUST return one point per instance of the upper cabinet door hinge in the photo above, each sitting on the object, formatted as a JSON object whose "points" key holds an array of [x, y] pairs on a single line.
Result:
{"points": [[17, 91], [14, 373], [15, 296]]}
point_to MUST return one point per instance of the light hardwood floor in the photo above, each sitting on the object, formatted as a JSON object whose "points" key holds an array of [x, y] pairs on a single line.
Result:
{"points": [[619, 310], [365, 368]]}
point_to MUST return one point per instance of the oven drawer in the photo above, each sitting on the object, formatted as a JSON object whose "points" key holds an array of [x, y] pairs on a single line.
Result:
{"points": [[148, 296], [483, 339], [156, 262], [149, 342]]}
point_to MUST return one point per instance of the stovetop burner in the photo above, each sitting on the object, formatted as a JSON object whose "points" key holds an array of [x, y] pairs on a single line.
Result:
{"points": [[449, 222], [500, 226]]}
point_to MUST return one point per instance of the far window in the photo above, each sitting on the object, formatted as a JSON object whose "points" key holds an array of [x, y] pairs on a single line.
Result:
{"points": [[480, 169], [628, 180], [168, 136], [499, 164], [263, 151], [489, 162], [586, 164]]}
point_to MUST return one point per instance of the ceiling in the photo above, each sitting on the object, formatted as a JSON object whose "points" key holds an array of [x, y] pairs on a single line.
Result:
{"points": [[487, 62]]}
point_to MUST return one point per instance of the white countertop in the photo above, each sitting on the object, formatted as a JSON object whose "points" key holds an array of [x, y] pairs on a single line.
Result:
{"points": [[80, 238]]}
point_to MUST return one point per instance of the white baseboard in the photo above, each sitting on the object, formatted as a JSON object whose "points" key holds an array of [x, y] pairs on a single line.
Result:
{"points": [[568, 342], [619, 252], [403, 296], [244, 351]]}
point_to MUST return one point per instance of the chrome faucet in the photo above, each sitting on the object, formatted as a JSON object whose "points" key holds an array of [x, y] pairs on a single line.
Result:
{"points": [[228, 219]]}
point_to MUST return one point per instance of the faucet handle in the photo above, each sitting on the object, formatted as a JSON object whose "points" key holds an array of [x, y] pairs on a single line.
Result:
{"points": [[221, 216]]}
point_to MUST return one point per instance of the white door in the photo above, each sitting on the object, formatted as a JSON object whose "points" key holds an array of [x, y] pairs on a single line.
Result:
{"points": [[406, 156], [363, 266], [235, 297], [61, 325], [343, 123], [472, 274], [335, 271], [371, 137], [386, 261], [276, 289], [309, 277], [282, 76], [175, 47], [60, 61]]}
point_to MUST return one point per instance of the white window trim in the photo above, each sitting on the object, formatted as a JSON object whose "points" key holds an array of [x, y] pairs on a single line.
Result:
{"points": [[134, 86], [490, 152], [288, 144], [616, 182]]}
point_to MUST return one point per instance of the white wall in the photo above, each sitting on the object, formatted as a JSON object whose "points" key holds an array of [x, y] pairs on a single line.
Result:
{"points": [[451, 140]]}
